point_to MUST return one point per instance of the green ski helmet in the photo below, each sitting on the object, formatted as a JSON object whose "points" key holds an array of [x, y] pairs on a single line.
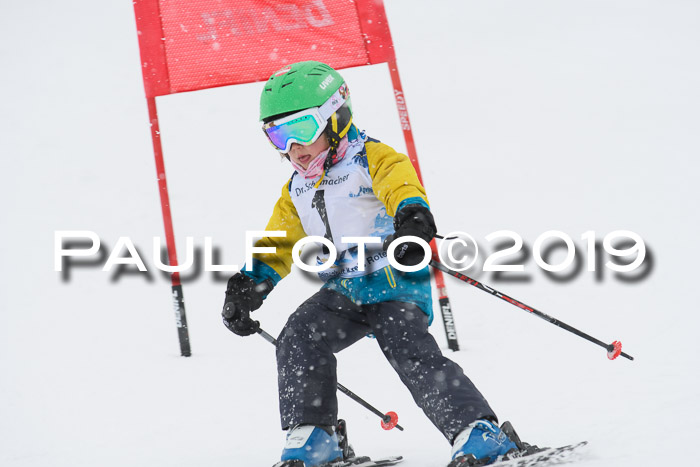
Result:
{"points": [[304, 85]]}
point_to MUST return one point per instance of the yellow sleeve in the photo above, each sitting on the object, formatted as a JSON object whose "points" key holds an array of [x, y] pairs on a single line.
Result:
{"points": [[394, 178], [284, 217]]}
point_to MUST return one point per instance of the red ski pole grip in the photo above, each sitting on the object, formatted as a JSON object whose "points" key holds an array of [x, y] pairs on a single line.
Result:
{"points": [[390, 420]]}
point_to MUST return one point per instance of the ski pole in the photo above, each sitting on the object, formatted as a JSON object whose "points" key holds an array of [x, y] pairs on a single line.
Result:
{"points": [[614, 349], [389, 420]]}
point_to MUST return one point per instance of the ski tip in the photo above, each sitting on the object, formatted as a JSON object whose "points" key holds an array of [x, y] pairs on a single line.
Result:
{"points": [[614, 350]]}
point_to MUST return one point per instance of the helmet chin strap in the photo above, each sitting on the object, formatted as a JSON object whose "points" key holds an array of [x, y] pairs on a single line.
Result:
{"points": [[328, 163]]}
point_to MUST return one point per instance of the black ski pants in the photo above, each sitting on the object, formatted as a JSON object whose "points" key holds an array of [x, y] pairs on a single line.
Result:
{"points": [[329, 322]]}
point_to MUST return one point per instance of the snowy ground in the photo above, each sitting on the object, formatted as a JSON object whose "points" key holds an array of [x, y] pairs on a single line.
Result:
{"points": [[528, 116]]}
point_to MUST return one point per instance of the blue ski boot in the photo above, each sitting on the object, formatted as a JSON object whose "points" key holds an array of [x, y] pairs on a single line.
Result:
{"points": [[481, 443], [310, 446]]}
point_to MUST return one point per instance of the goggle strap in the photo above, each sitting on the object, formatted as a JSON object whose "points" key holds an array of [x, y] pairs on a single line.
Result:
{"points": [[333, 103]]}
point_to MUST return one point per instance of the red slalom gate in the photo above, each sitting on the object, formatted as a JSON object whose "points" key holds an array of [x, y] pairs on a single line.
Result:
{"points": [[188, 45]]}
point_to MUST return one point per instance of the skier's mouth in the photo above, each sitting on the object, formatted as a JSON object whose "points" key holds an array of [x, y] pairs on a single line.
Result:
{"points": [[304, 160]]}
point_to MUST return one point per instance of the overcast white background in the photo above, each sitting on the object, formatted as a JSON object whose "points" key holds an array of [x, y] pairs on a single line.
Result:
{"points": [[528, 116]]}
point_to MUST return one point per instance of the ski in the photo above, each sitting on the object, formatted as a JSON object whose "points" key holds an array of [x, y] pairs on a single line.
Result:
{"points": [[364, 461], [545, 457], [358, 461], [541, 458]]}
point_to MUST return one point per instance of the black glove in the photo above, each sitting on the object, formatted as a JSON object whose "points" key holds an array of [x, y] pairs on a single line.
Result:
{"points": [[243, 295], [415, 220]]}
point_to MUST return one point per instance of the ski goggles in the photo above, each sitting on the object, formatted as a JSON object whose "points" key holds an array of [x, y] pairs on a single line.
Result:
{"points": [[306, 126]]}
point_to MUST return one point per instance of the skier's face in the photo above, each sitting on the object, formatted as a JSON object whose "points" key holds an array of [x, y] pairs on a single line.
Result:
{"points": [[303, 155]]}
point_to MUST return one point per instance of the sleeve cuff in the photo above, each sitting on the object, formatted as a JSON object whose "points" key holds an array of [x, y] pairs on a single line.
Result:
{"points": [[261, 271], [412, 200]]}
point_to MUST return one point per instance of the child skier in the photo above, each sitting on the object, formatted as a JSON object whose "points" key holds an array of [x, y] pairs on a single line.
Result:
{"points": [[346, 184]]}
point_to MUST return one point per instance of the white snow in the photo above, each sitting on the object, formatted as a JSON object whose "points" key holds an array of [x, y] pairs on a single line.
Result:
{"points": [[528, 116]]}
